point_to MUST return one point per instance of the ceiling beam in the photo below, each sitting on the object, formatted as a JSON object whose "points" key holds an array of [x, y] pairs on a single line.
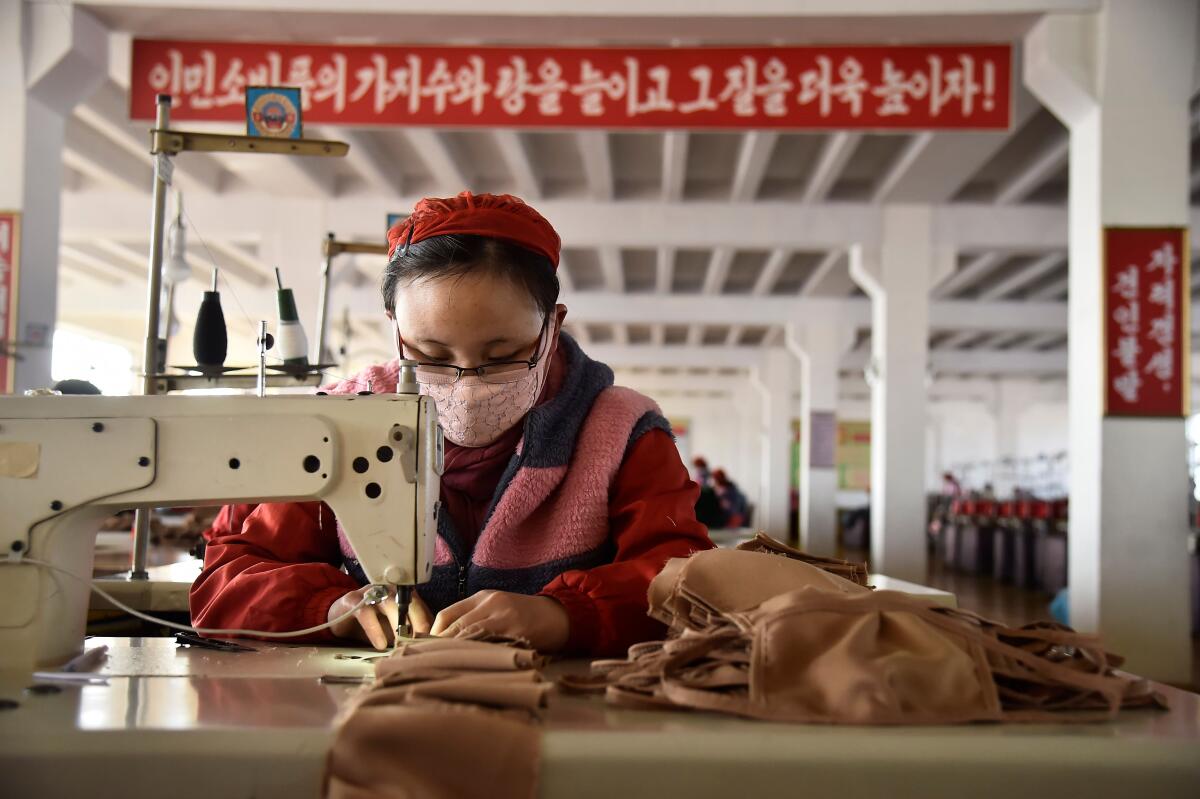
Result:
{"points": [[952, 362], [1043, 340], [753, 156], [612, 269], [107, 111], [101, 276], [439, 160], [1007, 362], [1051, 291], [241, 263], [116, 268], [996, 316], [718, 270], [565, 282], [135, 259], [835, 152], [369, 159], [822, 270], [95, 155], [958, 340], [772, 269], [900, 165], [674, 157], [597, 163], [664, 269], [762, 225], [1023, 276], [515, 153], [953, 157], [1042, 166], [970, 272]]}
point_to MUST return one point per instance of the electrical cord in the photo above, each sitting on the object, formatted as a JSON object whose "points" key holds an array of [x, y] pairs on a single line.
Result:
{"points": [[92, 584]]}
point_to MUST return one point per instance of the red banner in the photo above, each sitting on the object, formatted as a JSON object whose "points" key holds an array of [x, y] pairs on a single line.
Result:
{"points": [[10, 248], [1146, 336], [917, 87]]}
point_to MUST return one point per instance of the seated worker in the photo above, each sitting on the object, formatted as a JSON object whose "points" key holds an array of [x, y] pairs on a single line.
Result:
{"points": [[733, 501], [563, 496]]}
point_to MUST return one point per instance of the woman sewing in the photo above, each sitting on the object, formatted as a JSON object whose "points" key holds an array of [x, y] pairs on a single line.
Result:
{"points": [[563, 496]]}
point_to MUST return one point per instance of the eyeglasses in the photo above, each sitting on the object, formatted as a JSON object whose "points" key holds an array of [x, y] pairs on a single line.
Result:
{"points": [[441, 374]]}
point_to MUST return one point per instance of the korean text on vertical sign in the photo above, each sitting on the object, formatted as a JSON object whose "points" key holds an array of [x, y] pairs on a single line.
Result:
{"points": [[10, 248], [954, 86], [1146, 329]]}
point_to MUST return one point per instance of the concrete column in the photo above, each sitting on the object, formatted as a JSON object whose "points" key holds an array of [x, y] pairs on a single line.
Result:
{"points": [[52, 56], [748, 404], [897, 277], [818, 345], [774, 378], [1121, 80]]}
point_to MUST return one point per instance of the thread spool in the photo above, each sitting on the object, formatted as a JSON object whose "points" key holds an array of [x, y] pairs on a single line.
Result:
{"points": [[210, 341], [290, 340]]}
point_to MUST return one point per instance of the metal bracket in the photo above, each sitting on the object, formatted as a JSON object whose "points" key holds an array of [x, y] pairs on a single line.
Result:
{"points": [[332, 247], [174, 142]]}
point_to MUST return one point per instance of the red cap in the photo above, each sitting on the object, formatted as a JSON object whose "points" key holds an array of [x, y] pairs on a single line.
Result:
{"points": [[497, 216]]}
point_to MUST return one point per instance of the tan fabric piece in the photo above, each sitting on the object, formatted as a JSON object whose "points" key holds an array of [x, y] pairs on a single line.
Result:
{"points": [[445, 718], [854, 572], [692, 592], [433, 751], [822, 649]]}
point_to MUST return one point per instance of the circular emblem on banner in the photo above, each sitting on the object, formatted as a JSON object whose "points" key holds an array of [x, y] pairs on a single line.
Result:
{"points": [[275, 115]]}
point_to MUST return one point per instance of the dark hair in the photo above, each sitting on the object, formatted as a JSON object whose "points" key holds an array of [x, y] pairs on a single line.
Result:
{"points": [[76, 387], [456, 255]]}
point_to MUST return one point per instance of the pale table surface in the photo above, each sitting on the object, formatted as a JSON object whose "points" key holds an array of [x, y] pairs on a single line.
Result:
{"points": [[180, 722]]}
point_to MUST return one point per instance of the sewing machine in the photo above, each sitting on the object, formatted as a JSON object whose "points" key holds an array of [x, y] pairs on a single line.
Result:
{"points": [[66, 463]]}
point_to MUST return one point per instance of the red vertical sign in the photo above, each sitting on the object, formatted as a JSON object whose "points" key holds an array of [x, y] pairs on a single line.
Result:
{"points": [[10, 243], [1146, 331]]}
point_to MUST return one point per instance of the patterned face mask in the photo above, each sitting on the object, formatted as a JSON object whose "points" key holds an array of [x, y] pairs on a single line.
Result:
{"points": [[474, 413]]}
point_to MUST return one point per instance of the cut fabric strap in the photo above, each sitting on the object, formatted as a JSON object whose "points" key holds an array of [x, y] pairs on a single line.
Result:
{"points": [[786, 639], [444, 718]]}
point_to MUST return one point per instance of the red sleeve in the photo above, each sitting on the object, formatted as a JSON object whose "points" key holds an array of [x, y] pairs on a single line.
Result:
{"points": [[229, 521], [281, 572], [652, 514]]}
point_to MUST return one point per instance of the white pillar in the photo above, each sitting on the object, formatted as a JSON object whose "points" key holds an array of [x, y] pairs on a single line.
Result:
{"points": [[897, 277], [52, 55], [748, 402], [774, 378], [818, 345], [1121, 80]]}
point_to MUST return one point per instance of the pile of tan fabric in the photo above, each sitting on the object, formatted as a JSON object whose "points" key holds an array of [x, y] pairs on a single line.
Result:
{"points": [[444, 718], [788, 639]]}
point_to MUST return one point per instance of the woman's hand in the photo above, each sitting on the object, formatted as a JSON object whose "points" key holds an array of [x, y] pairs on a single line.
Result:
{"points": [[540, 620], [375, 624]]}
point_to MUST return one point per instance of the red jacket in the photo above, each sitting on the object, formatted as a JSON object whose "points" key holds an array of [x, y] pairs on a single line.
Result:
{"points": [[282, 570]]}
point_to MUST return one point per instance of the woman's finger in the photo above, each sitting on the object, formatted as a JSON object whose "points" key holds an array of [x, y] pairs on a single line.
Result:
{"points": [[368, 619], [476, 617], [453, 613], [419, 616], [391, 614]]}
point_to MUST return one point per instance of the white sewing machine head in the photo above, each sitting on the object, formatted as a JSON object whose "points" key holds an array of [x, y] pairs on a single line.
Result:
{"points": [[66, 463]]}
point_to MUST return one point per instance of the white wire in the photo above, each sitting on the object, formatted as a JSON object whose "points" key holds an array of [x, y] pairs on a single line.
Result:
{"points": [[199, 630]]}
